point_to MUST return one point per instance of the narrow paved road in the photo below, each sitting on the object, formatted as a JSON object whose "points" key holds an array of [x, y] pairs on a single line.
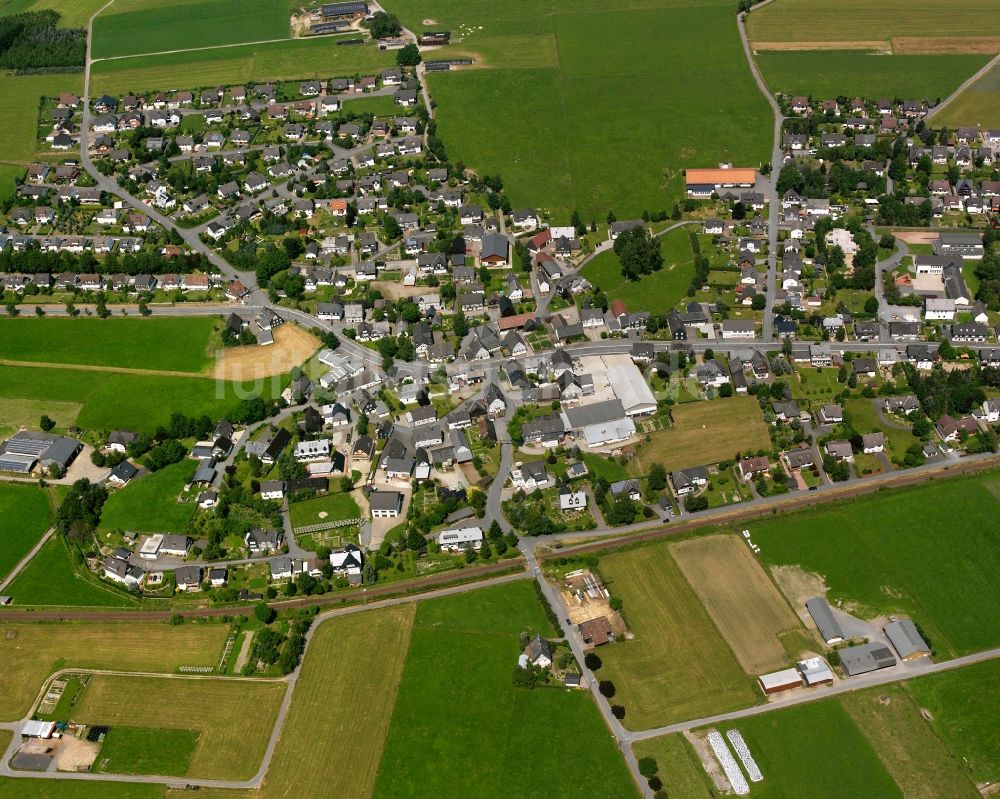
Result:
{"points": [[965, 85], [27, 558]]}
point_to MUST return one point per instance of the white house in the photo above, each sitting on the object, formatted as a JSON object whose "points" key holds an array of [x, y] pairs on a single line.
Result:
{"points": [[461, 538], [572, 500]]}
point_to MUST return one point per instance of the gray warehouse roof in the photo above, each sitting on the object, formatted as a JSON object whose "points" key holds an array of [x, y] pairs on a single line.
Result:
{"points": [[823, 616], [865, 658], [906, 639]]}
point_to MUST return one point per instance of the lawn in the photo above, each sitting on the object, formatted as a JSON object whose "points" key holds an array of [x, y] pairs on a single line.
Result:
{"points": [[913, 754], [864, 419], [8, 174], [657, 292], [330, 744], [20, 413], [230, 720], [19, 111], [144, 750], [25, 514], [832, 73], [621, 87], [979, 104], [122, 400], [149, 26], [599, 467], [703, 433], [678, 666], [50, 578], [813, 750], [927, 551], [384, 105], [180, 344], [329, 508], [744, 603], [29, 653], [681, 771], [964, 705], [457, 705], [860, 20], [816, 385], [149, 504], [290, 60]]}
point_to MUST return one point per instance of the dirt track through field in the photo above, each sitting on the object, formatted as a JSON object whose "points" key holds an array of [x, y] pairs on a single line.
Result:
{"points": [[743, 602], [84, 367]]}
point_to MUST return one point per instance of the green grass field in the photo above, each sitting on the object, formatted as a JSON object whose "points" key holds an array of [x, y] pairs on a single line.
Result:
{"points": [[16, 788], [383, 105], [679, 666], [813, 750], [489, 748], [679, 767], [831, 73], [50, 579], [143, 750], [290, 60], [657, 292], [179, 344], [912, 752], [149, 26], [333, 507], [228, 722], [30, 653], [620, 87], [964, 705], [864, 419], [977, 105], [858, 20], [72, 13], [122, 400], [19, 111], [149, 504], [926, 551], [8, 174], [25, 514]]}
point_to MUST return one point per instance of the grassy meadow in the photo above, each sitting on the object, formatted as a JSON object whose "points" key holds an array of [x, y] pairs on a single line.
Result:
{"points": [[678, 666], [462, 651], [977, 105], [316, 57], [149, 504], [50, 579], [149, 26], [679, 767], [25, 514], [112, 400], [31, 652], [230, 720], [736, 423], [328, 508], [831, 73], [621, 88], [181, 344], [19, 112], [657, 292], [145, 750], [927, 551]]}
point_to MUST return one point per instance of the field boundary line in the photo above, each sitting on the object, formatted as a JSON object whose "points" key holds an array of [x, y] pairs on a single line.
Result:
{"points": [[87, 367], [219, 47], [965, 85]]}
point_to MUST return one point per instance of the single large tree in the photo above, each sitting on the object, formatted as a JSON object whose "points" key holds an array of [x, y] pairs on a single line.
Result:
{"points": [[638, 252]]}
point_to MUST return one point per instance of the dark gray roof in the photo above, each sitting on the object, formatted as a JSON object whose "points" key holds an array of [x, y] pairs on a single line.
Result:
{"points": [[865, 658], [823, 616], [906, 638]]}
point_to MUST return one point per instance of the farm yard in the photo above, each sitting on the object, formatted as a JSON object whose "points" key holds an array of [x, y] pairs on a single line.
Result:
{"points": [[736, 425], [927, 551], [288, 60], [25, 514], [657, 292], [130, 27], [122, 342], [230, 719], [30, 653], [679, 666], [741, 599], [642, 97]]}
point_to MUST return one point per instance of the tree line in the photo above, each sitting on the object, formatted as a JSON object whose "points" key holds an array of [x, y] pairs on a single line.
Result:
{"points": [[31, 42]]}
